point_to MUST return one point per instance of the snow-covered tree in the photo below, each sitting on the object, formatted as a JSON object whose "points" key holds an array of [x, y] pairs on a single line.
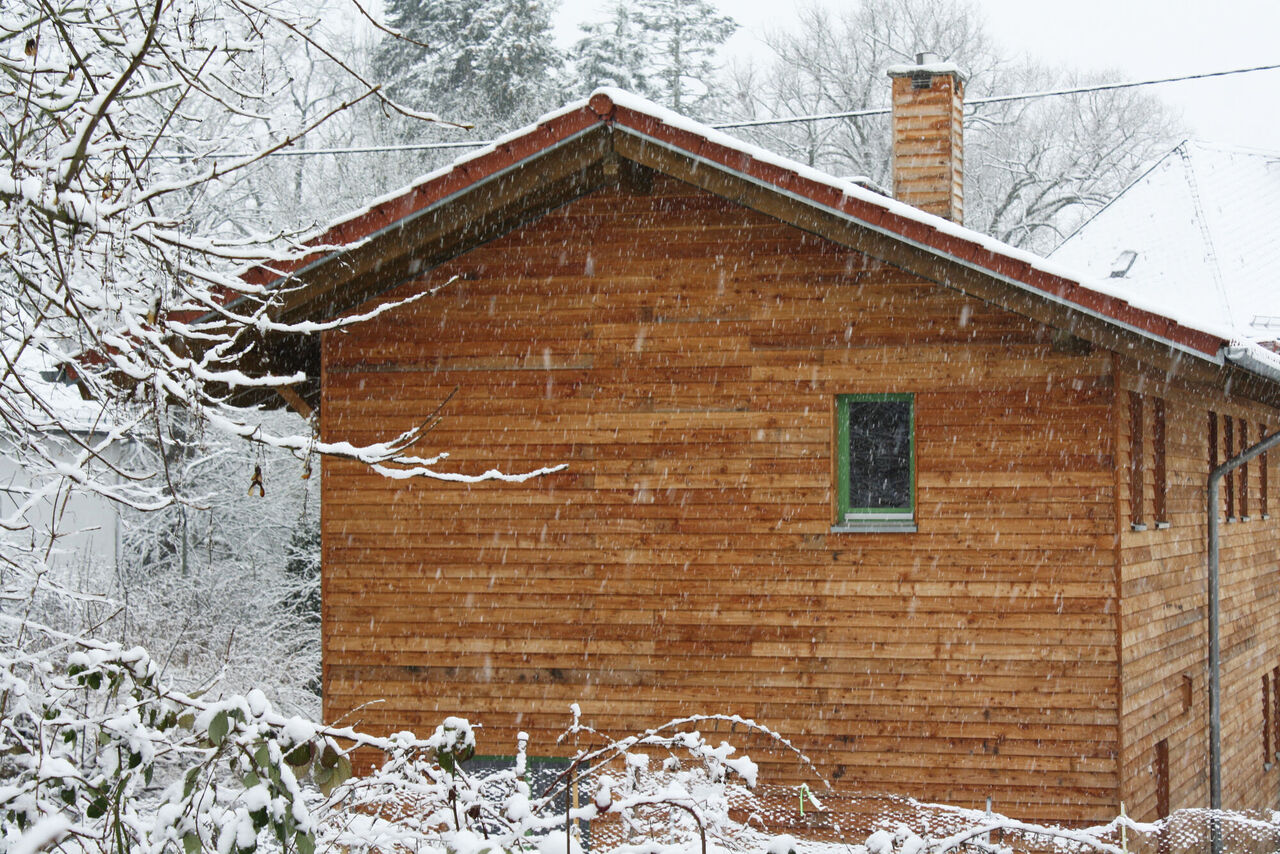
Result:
{"points": [[124, 122], [119, 278], [223, 587], [613, 52], [1036, 170], [491, 63], [1033, 169], [663, 49], [299, 191]]}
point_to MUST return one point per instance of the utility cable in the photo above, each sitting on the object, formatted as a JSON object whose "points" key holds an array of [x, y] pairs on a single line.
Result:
{"points": [[1000, 99], [817, 117]]}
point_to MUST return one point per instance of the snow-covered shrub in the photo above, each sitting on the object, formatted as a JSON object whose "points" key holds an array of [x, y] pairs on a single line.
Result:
{"points": [[100, 755]]}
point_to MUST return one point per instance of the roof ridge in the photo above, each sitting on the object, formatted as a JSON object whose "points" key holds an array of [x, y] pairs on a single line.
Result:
{"points": [[1233, 148]]}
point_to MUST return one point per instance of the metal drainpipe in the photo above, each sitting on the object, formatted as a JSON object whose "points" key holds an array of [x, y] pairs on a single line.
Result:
{"points": [[1215, 687]]}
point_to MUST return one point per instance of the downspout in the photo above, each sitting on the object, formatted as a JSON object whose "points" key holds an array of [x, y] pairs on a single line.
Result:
{"points": [[1215, 687]]}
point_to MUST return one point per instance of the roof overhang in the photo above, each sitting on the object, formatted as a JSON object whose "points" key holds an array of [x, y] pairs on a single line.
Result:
{"points": [[616, 138]]}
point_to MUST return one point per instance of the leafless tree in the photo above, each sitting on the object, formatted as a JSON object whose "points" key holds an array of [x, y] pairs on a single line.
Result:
{"points": [[1033, 169]]}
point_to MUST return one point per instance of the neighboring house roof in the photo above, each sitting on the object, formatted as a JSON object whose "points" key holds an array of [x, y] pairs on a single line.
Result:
{"points": [[1196, 234], [580, 147], [40, 389]]}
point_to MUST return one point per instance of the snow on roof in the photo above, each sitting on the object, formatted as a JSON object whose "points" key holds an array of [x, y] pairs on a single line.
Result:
{"points": [[37, 388], [1097, 282], [1194, 237], [1082, 280], [940, 67]]}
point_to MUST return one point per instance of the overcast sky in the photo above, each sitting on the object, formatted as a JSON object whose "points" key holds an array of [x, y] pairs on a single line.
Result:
{"points": [[1137, 39]]}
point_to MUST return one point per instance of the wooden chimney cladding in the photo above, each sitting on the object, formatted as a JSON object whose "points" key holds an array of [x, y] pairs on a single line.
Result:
{"points": [[928, 140], [683, 356]]}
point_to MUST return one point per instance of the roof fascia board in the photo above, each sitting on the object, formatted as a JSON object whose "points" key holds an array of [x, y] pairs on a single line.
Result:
{"points": [[702, 161], [477, 186], [429, 243]]}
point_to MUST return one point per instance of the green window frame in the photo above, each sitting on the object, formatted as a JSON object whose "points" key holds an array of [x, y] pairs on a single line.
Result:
{"points": [[857, 506]]}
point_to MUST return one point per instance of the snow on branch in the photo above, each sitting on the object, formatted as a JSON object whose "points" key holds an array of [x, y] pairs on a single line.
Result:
{"points": [[128, 337], [127, 270]]}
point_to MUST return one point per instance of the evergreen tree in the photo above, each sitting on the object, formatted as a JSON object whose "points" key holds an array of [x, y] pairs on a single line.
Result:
{"points": [[489, 62], [614, 52], [686, 35], [302, 596], [662, 49]]}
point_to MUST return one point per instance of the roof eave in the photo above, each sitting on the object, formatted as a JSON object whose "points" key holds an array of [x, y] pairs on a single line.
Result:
{"points": [[339, 279], [1186, 340]]}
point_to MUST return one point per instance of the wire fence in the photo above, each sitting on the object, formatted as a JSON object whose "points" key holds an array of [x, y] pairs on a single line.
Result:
{"points": [[669, 791], [781, 820]]}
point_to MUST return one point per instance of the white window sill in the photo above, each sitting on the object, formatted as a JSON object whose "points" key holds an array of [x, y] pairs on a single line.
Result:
{"points": [[875, 526]]}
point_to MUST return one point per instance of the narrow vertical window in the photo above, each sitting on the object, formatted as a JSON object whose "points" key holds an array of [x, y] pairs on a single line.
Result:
{"points": [[876, 460], [1135, 461], [1162, 778], [1275, 712], [1160, 506], [1267, 750], [1213, 440], [1262, 474], [1229, 450], [1244, 471]]}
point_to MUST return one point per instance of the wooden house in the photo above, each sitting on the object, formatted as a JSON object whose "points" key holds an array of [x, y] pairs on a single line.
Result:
{"points": [[926, 505]]}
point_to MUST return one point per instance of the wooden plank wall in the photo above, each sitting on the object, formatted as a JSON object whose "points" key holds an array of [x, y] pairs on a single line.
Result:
{"points": [[682, 355], [1164, 628]]}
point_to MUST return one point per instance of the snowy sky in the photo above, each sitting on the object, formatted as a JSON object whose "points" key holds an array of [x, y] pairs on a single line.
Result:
{"points": [[1138, 39]]}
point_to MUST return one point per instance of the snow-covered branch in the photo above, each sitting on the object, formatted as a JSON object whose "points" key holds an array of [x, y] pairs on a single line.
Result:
{"points": [[133, 174]]}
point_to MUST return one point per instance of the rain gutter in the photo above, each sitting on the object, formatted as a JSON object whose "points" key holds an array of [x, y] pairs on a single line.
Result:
{"points": [[1214, 359], [1247, 358], [1215, 652]]}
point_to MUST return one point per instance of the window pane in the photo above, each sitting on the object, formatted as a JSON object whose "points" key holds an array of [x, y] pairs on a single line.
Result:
{"points": [[880, 454]]}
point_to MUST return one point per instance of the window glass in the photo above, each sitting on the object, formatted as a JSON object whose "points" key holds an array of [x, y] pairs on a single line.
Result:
{"points": [[877, 449]]}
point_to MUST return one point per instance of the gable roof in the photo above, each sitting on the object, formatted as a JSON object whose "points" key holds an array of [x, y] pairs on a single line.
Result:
{"points": [[1197, 234], [614, 136]]}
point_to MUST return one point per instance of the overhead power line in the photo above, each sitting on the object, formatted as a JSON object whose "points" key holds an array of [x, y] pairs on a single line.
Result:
{"points": [[1000, 99], [311, 152], [816, 117]]}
